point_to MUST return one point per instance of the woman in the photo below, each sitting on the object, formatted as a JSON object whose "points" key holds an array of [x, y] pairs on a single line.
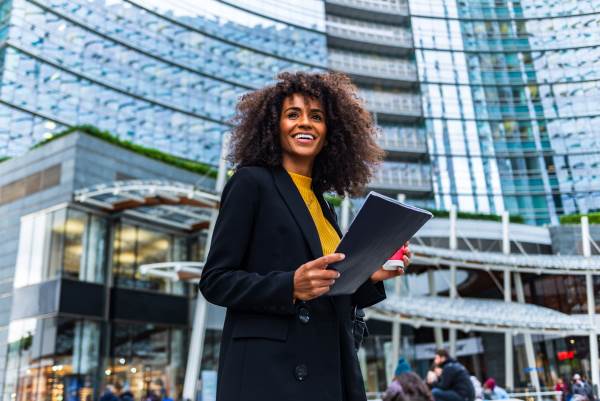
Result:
{"points": [[282, 338], [407, 386]]}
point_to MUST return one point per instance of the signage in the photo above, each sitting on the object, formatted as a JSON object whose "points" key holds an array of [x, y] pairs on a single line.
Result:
{"points": [[564, 355]]}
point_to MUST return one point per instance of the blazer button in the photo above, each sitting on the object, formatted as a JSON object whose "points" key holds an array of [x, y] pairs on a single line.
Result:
{"points": [[304, 315], [301, 372]]}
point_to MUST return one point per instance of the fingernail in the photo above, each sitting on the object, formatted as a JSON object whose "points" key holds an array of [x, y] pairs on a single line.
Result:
{"points": [[342, 256], [338, 274]]}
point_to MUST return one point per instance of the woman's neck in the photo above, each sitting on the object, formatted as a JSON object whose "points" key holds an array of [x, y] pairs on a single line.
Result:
{"points": [[301, 167]]}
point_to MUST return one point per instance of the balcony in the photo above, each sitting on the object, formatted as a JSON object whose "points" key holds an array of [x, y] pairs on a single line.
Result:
{"points": [[394, 177], [390, 11], [403, 142], [392, 106], [371, 69], [368, 36]]}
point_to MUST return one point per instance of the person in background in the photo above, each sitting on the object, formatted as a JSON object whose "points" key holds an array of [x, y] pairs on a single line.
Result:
{"points": [[477, 387], [493, 392], [407, 386], [125, 393], [110, 393], [581, 389], [433, 375], [454, 383], [560, 386], [402, 367]]}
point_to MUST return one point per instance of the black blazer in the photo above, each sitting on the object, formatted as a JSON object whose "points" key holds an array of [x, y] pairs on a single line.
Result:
{"points": [[271, 348]]}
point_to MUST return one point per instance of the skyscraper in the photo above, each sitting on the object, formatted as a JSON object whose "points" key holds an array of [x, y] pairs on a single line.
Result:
{"points": [[509, 112]]}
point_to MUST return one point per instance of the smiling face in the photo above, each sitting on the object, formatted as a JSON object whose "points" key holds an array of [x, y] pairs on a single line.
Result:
{"points": [[302, 132]]}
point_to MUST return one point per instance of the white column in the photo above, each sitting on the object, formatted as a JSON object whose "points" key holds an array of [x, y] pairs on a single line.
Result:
{"points": [[535, 379], [509, 372], [345, 213], [396, 333], [192, 371], [591, 304], [437, 331], [453, 289]]}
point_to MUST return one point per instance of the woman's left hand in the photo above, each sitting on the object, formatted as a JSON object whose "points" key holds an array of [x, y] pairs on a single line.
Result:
{"points": [[382, 274]]}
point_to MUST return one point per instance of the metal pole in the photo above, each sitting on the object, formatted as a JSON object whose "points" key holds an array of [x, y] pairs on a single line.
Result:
{"points": [[453, 289], [509, 372], [591, 305], [535, 380], [345, 213], [396, 333], [437, 331], [192, 371], [396, 328]]}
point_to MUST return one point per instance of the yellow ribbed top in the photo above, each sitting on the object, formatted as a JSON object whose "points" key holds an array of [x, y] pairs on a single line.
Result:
{"points": [[327, 235]]}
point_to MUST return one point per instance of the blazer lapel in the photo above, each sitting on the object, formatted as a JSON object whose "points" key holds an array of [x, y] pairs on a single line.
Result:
{"points": [[295, 203]]}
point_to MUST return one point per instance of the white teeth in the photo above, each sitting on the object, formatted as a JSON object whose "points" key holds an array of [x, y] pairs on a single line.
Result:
{"points": [[304, 136]]}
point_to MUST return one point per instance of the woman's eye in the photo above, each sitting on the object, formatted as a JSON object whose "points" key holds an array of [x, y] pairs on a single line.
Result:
{"points": [[317, 117], [292, 115]]}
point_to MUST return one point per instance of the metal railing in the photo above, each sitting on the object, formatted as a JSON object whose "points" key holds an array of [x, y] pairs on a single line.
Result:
{"points": [[370, 32], [403, 140], [402, 176], [399, 7], [392, 102], [381, 67]]}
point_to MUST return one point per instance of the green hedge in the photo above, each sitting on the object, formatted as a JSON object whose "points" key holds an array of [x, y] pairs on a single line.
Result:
{"points": [[594, 218], [4, 158], [186, 164], [477, 216]]}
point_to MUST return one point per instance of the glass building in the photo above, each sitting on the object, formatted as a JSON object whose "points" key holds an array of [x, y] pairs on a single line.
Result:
{"points": [[509, 90], [166, 74], [485, 105], [371, 41]]}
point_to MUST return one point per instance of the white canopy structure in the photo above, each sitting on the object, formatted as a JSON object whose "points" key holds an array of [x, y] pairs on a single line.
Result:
{"points": [[470, 314], [537, 264], [168, 202]]}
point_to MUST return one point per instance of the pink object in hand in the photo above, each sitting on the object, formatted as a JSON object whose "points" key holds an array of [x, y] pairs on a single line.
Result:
{"points": [[396, 260]]}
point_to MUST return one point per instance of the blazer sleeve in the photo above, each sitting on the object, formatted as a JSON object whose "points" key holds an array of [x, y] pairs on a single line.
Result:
{"points": [[225, 281]]}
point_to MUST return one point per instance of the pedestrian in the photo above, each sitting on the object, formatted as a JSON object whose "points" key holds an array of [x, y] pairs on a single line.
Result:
{"points": [[560, 386], [491, 391], [433, 375], [454, 383], [110, 393], [125, 393], [581, 389], [283, 338], [402, 367], [407, 386], [477, 387]]}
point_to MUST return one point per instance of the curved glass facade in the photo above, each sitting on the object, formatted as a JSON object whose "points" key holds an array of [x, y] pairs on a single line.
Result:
{"points": [[510, 92], [163, 74]]}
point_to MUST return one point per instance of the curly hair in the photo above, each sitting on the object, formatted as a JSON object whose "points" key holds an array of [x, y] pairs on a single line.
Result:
{"points": [[350, 153]]}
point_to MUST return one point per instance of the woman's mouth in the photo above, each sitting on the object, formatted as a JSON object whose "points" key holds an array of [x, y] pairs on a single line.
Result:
{"points": [[304, 137]]}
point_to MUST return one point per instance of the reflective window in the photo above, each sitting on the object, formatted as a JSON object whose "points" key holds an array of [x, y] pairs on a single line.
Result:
{"points": [[64, 243], [135, 246], [52, 359], [148, 358]]}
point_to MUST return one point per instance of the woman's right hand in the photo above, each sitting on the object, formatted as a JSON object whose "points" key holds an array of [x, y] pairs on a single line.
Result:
{"points": [[312, 279]]}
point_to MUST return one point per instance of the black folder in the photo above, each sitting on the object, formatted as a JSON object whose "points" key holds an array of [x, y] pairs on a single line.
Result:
{"points": [[379, 229]]}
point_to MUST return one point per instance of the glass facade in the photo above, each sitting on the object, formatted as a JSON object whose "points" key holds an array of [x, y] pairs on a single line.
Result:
{"points": [[511, 120], [63, 243], [165, 75], [64, 357], [52, 359]]}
